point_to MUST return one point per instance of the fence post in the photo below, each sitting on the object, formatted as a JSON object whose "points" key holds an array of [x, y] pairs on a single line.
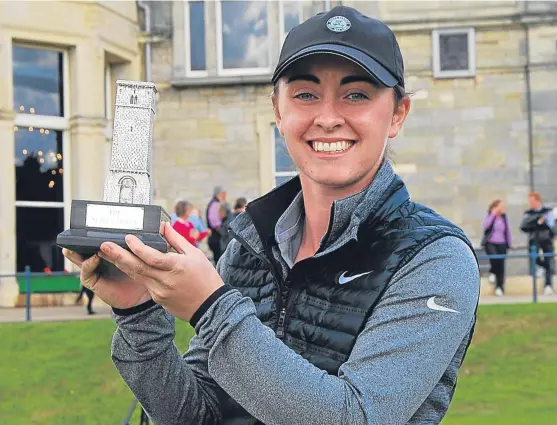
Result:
{"points": [[27, 293], [533, 255]]}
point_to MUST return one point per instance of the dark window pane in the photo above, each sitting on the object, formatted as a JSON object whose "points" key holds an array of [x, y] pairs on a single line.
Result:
{"points": [[282, 179], [39, 165], [453, 50], [283, 161], [38, 82], [245, 42], [36, 230], [197, 35]]}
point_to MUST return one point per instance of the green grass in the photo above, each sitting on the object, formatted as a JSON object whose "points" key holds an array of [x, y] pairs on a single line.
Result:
{"points": [[510, 373], [61, 373]]}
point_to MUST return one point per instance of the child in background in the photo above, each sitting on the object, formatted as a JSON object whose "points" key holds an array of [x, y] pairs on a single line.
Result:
{"points": [[185, 227]]}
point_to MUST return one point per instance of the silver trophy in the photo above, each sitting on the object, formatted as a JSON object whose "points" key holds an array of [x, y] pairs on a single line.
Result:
{"points": [[126, 206]]}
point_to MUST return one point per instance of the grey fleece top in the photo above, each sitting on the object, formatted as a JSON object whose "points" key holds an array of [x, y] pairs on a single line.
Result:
{"points": [[402, 369]]}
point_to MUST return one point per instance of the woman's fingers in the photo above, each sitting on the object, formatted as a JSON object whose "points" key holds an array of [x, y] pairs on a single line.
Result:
{"points": [[74, 257], [89, 277], [176, 240], [129, 263], [150, 256]]}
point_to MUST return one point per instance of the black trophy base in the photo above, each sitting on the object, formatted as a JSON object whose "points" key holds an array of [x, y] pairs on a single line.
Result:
{"points": [[95, 222]]}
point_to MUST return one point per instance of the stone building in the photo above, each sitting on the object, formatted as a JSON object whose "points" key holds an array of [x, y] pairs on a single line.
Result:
{"points": [[482, 124], [58, 65]]}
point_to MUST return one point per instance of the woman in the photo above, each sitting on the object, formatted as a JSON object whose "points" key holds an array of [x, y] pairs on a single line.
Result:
{"points": [[497, 240], [185, 227], [339, 300]]}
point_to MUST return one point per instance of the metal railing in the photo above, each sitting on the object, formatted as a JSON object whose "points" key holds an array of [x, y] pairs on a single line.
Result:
{"points": [[27, 275], [532, 255]]}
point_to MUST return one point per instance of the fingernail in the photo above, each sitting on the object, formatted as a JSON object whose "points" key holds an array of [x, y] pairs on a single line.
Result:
{"points": [[105, 248]]}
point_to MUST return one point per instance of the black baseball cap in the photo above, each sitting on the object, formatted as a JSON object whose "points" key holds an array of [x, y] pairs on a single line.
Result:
{"points": [[346, 32]]}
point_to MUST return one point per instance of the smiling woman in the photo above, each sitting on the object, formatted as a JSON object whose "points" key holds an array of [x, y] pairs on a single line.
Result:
{"points": [[339, 299]]}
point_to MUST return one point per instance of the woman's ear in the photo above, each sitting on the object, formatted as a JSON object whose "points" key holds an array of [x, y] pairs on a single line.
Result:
{"points": [[399, 116], [278, 120]]}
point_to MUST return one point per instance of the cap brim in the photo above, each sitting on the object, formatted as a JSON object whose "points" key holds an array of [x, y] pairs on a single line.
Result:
{"points": [[374, 68]]}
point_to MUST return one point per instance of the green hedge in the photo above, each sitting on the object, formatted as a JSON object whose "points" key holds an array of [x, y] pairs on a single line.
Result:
{"points": [[49, 284]]}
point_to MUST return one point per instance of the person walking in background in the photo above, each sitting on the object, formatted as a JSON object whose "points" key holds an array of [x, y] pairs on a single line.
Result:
{"points": [[539, 223], [229, 216], [497, 240], [214, 221], [185, 227], [90, 295]]}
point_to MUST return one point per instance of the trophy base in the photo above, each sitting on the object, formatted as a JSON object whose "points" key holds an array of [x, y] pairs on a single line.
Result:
{"points": [[95, 222]]}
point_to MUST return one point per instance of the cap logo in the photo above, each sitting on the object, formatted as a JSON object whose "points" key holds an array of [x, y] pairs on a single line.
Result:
{"points": [[339, 24]]}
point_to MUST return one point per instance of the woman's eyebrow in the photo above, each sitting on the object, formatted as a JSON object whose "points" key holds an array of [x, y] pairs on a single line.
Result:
{"points": [[346, 80], [305, 77], [357, 79]]}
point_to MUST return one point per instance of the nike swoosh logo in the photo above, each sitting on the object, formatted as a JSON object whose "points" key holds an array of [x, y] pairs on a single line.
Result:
{"points": [[343, 279], [434, 306]]}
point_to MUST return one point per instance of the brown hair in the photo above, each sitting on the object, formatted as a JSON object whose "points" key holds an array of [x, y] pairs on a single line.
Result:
{"points": [[494, 204], [181, 208], [536, 196]]}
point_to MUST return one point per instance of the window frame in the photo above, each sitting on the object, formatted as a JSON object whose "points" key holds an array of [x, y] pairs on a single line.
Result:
{"points": [[187, 32], [55, 123], [274, 160], [436, 53], [237, 72]]}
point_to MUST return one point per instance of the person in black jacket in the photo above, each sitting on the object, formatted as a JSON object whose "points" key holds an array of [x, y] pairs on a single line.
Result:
{"points": [[539, 223], [214, 221], [229, 216]]}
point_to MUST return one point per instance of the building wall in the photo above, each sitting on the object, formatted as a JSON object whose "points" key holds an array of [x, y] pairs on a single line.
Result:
{"points": [[464, 143], [93, 35], [209, 136]]}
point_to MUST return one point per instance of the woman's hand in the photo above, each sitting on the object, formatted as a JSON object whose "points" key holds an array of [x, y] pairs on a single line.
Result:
{"points": [[118, 293], [179, 281]]}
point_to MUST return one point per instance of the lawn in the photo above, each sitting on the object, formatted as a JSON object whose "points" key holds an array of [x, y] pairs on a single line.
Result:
{"points": [[61, 373]]}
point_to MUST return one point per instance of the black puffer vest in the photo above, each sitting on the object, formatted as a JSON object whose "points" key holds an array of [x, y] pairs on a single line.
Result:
{"points": [[320, 308]]}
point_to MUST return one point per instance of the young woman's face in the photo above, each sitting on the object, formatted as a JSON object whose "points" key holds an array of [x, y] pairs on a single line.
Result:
{"points": [[336, 121]]}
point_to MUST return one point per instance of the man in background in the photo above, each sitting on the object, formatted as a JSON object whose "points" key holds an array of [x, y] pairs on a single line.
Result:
{"points": [[538, 222], [214, 221]]}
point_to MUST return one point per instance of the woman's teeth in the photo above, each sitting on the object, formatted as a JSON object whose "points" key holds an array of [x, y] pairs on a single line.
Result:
{"points": [[331, 147]]}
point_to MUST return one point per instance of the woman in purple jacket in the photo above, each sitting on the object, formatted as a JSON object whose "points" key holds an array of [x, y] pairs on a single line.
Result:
{"points": [[497, 240]]}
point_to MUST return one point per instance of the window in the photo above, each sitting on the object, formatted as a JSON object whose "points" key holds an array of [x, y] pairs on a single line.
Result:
{"points": [[290, 15], [242, 38], [294, 12], [283, 166], [454, 53], [39, 78], [196, 65]]}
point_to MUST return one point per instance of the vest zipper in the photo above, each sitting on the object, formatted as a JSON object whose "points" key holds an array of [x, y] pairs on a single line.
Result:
{"points": [[285, 312], [280, 327], [280, 324]]}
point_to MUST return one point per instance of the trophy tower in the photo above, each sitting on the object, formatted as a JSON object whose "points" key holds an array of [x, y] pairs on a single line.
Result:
{"points": [[126, 205]]}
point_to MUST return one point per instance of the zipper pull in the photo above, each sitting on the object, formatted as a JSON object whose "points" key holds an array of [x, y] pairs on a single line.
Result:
{"points": [[280, 328]]}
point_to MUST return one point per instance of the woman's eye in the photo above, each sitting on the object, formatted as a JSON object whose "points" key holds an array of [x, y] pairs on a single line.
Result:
{"points": [[357, 96], [305, 96]]}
